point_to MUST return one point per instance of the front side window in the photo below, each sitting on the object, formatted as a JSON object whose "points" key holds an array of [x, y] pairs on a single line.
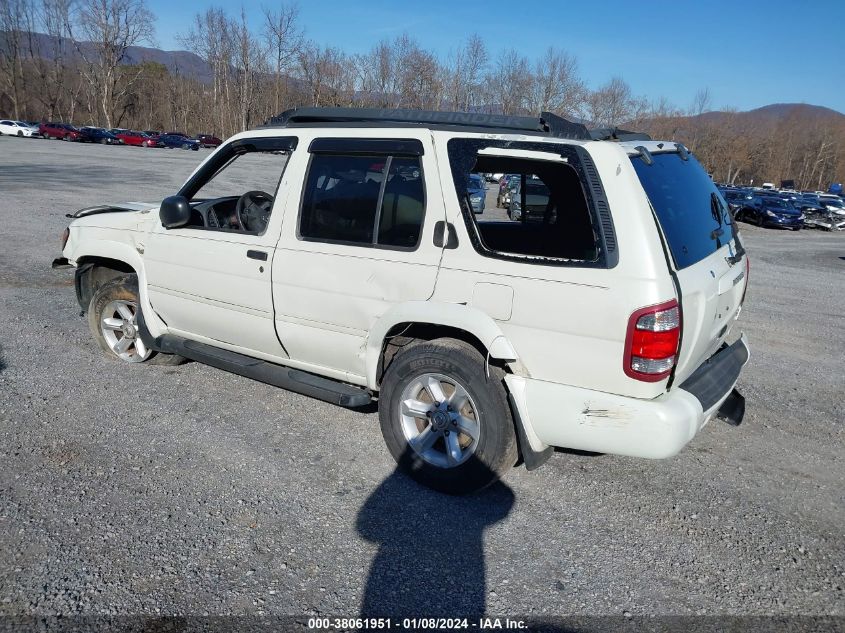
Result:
{"points": [[365, 200], [239, 195]]}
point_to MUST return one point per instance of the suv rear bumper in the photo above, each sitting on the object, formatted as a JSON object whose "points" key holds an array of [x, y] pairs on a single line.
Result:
{"points": [[571, 417]]}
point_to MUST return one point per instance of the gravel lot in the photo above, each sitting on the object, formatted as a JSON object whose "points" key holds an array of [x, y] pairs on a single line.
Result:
{"points": [[155, 490]]}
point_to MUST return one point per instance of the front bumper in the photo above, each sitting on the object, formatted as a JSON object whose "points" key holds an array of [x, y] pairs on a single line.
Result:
{"points": [[785, 222], [572, 417]]}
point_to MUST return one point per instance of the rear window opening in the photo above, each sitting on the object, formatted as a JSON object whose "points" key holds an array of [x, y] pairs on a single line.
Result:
{"points": [[537, 210]]}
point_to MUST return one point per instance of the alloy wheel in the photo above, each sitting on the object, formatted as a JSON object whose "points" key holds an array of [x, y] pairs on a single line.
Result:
{"points": [[439, 420], [119, 326]]}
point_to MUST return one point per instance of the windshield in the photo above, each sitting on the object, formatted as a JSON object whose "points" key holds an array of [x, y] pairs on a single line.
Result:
{"points": [[474, 182], [776, 203], [691, 211], [832, 202]]}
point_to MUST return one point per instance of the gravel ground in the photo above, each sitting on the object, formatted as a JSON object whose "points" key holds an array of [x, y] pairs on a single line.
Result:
{"points": [[155, 490]]}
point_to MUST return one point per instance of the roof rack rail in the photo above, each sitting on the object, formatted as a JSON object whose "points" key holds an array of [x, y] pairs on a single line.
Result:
{"points": [[547, 124], [615, 134]]}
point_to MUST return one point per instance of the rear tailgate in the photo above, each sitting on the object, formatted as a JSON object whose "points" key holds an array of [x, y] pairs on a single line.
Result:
{"points": [[707, 257]]}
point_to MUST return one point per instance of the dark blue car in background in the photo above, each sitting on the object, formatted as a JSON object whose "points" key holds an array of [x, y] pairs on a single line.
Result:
{"points": [[477, 191], [771, 211], [177, 140]]}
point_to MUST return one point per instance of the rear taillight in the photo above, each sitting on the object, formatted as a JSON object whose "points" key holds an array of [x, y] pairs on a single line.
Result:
{"points": [[651, 343]]}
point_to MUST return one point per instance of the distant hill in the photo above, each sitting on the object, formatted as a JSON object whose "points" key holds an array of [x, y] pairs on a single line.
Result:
{"points": [[184, 63], [777, 112]]}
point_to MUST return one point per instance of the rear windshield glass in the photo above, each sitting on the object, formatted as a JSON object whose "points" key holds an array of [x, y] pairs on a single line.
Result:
{"points": [[691, 211]]}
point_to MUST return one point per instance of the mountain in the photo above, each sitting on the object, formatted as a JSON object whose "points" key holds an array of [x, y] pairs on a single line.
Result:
{"points": [[183, 63], [777, 112]]}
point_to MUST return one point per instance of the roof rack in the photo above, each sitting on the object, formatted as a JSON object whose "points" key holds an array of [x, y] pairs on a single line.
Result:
{"points": [[547, 124], [615, 134]]}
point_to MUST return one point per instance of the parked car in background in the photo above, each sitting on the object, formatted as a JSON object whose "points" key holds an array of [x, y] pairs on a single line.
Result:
{"points": [[506, 185], [771, 210], [138, 139], [63, 131], [177, 141], [832, 203], [477, 191], [736, 198], [530, 201], [11, 127], [208, 140], [100, 135]]}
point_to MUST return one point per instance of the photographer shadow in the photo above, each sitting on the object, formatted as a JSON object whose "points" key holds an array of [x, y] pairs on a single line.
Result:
{"points": [[430, 559]]}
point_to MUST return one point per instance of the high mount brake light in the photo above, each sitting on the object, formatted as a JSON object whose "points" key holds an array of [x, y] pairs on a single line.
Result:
{"points": [[651, 342]]}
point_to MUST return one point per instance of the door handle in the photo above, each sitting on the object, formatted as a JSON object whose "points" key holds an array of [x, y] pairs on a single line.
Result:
{"points": [[259, 255], [440, 230]]}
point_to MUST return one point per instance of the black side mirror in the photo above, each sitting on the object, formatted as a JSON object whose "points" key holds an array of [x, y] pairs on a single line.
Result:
{"points": [[175, 212]]}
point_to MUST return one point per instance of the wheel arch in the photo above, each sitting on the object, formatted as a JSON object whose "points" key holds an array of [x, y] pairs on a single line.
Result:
{"points": [[427, 320]]}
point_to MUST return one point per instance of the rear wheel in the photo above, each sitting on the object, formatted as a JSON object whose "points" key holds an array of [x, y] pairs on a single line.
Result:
{"points": [[446, 423], [113, 321]]}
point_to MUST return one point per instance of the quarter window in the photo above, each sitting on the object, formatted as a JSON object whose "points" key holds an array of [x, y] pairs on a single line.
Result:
{"points": [[371, 200]]}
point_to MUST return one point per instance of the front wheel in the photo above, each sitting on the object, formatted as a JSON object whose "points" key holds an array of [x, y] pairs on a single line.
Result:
{"points": [[113, 321], [446, 423]]}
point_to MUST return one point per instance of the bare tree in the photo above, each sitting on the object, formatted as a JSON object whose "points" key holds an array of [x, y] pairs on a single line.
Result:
{"points": [[12, 28], [111, 27], [611, 104], [283, 37], [509, 84], [557, 86]]}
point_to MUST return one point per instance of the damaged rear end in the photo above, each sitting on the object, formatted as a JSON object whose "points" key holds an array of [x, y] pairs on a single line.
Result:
{"points": [[709, 267]]}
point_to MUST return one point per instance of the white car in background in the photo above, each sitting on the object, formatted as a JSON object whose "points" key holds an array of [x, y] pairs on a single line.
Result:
{"points": [[16, 128]]}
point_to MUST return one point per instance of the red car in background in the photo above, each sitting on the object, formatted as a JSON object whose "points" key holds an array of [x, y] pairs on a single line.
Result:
{"points": [[208, 140], [141, 139], [62, 131]]}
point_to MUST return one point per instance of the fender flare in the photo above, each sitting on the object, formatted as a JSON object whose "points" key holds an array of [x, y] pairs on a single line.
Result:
{"points": [[456, 315], [123, 252]]}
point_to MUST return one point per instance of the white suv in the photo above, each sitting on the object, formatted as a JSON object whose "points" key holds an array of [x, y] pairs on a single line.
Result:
{"points": [[334, 252]]}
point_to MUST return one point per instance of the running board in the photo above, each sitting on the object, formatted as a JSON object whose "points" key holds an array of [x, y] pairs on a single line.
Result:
{"points": [[270, 373]]}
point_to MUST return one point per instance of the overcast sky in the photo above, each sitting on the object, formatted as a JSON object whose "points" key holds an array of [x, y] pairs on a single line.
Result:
{"points": [[748, 53]]}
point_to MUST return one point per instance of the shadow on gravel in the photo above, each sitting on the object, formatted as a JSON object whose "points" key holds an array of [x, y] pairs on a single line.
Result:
{"points": [[430, 560], [2, 362]]}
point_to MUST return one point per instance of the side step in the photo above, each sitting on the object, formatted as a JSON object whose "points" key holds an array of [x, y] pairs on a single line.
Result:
{"points": [[276, 375]]}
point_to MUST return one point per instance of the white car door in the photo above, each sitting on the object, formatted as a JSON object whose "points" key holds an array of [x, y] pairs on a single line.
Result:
{"points": [[360, 242], [210, 280]]}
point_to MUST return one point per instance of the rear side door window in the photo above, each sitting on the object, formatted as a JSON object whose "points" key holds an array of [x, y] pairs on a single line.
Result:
{"points": [[364, 200]]}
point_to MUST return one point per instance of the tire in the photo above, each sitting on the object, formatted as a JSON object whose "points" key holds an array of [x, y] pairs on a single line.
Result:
{"points": [[116, 301], [482, 451], [103, 141], [144, 144], [20, 134]]}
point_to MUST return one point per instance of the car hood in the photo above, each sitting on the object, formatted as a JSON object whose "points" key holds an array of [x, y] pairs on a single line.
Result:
{"points": [[130, 216], [121, 207]]}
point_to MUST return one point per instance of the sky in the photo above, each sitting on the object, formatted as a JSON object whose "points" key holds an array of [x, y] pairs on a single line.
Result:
{"points": [[748, 53]]}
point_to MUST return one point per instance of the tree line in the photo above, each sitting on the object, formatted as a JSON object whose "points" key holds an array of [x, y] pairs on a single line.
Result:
{"points": [[79, 73]]}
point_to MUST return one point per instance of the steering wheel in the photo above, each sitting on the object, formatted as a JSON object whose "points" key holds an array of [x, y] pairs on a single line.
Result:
{"points": [[253, 210]]}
